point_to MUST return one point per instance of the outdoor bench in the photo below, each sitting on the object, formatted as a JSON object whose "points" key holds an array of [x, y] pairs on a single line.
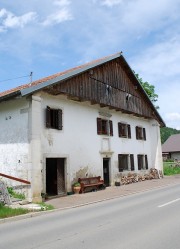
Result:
{"points": [[93, 183]]}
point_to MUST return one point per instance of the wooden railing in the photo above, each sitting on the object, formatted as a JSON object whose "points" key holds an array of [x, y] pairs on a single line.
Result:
{"points": [[15, 178]]}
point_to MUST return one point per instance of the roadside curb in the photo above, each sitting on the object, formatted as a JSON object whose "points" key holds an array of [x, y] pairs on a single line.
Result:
{"points": [[39, 213]]}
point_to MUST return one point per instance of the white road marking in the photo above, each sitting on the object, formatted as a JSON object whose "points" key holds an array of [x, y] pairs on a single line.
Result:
{"points": [[168, 203]]}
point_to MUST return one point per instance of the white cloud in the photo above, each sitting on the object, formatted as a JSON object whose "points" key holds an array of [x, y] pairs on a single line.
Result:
{"points": [[61, 2], [111, 3], [58, 17], [9, 20], [61, 15], [173, 116], [172, 120]]}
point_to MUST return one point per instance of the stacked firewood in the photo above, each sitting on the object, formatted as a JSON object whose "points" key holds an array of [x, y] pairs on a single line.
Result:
{"points": [[134, 177]]}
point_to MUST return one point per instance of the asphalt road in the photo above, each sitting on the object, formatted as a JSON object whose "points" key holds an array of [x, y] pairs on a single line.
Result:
{"points": [[148, 220]]}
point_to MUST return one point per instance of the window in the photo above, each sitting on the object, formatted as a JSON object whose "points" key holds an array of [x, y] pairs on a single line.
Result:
{"points": [[54, 118], [104, 127], [142, 162], [124, 130], [126, 162], [140, 133]]}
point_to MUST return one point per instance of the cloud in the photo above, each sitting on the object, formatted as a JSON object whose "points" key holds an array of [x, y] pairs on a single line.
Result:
{"points": [[61, 2], [58, 17], [173, 120], [111, 3], [173, 116], [9, 20]]}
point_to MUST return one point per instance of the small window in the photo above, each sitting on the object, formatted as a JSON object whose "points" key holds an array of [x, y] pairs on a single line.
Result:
{"points": [[126, 162], [124, 130], [142, 162], [53, 118], [140, 133], [104, 127]]}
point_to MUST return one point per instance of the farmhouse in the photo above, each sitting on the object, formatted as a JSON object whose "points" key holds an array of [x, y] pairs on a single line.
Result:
{"points": [[171, 148], [91, 120]]}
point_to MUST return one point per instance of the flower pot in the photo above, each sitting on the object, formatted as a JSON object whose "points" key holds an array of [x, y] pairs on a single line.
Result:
{"points": [[76, 189]]}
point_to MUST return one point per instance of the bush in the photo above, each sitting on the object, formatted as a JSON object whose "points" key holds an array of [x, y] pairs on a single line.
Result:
{"points": [[15, 194], [170, 170]]}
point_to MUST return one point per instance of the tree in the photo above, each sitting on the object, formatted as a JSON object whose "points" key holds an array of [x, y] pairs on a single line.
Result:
{"points": [[166, 132], [149, 89]]}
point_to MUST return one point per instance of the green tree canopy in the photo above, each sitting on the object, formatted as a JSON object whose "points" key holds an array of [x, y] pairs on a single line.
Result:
{"points": [[149, 89]]}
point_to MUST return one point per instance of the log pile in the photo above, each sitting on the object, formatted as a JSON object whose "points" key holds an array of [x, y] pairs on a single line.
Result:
{"points": [[134, 177]]}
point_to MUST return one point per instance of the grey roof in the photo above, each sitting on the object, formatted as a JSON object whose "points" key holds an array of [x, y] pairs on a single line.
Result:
{"points": [[172, 144]]}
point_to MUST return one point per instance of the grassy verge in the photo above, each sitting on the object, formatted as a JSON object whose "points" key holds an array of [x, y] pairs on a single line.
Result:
{"points": [[45, 206], [170, 169], [6, 212]]}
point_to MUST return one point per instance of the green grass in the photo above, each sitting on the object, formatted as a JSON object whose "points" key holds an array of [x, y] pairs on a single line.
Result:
{"points": [[6, 212], [170, 169], [15, 194], [45, 206]]}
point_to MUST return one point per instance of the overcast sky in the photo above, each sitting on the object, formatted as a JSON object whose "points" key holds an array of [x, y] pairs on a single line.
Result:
{"points": [[49, 36]]}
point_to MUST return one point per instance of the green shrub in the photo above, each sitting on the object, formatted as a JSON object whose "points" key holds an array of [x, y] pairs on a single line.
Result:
{"points": [[15, 194], [170, 170]]}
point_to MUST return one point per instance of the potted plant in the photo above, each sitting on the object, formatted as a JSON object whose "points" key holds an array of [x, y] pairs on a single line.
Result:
{"points": [[76, 187], [44, 196]]}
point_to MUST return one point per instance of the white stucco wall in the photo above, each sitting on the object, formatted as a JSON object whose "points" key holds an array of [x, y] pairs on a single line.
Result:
{"points": [[14, 140], [84, 150], [25, 142]]}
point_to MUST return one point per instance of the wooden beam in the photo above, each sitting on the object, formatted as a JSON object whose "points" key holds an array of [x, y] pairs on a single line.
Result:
{"points": [[15, 178]]}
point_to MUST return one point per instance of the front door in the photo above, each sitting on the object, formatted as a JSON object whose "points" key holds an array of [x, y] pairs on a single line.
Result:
{"points": [[106, 171], [55, 176]]}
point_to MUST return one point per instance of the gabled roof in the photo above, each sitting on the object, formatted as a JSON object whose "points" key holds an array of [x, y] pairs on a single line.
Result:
{"points": [[37, 85], [172, 144], [52, 79]]}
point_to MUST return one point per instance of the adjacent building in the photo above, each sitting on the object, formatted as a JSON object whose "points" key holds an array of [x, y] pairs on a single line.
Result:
{"points": [[171, 147]]}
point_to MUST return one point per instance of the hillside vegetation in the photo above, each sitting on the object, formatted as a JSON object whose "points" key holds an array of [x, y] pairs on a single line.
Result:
{"points": [[166, 132]]}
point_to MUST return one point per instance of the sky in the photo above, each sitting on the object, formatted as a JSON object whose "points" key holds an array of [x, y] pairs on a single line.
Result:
{"points": [[50, 36]]}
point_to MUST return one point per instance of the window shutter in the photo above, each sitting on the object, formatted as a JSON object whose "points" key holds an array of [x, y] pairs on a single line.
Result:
{"points": [[48, 117], [137, 133], [119, 127], [119, 161], [139, 162], [129, 131], [111, 127], [59, 119], [146, 161], [132, 161], [99, 126], [144, 133]]}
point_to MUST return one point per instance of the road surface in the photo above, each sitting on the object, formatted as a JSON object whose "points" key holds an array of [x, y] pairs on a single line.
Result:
{"points": [[145, 220]]}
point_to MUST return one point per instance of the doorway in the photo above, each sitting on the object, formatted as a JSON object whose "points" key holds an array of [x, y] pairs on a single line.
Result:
{"points": [[55, 176], [106, 162]]}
